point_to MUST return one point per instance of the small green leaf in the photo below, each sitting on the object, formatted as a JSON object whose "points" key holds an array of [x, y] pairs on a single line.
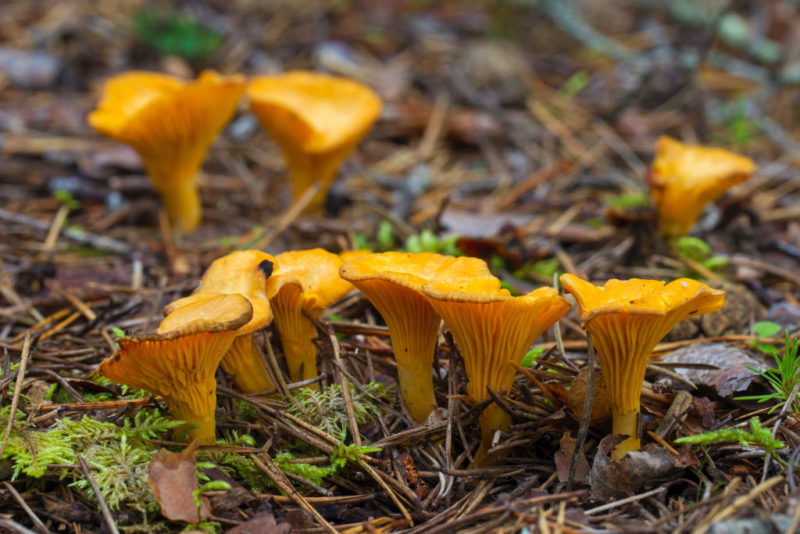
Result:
{"points": [[385, 235], [171, 33], [693, 248], [628, 200], [766, 329], [531, 356]]}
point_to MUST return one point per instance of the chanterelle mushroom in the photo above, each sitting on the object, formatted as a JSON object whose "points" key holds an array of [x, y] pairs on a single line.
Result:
{"points": [[244, 272], [316, 119], [393, 281], [178, 362], [304, 282], [492, 329], [171, 123], [626, 320], [684, 178]]}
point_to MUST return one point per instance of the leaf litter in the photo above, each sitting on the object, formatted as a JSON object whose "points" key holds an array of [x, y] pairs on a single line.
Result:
{"points": [[510, 131]]}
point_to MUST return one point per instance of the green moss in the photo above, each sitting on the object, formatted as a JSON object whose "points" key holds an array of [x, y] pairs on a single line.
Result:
{"points": [[326, 409], [120, 455]]}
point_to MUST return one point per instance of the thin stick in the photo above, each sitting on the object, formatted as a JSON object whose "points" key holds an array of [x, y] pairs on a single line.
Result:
{"points": [[14, 527], [586, 415], [784, 408], [348, 400], [266, 464], [274, 369], [557, 329], [621, 502], [26, 349], [35, 518], [286, 218], [100, 242], [103, 405], [109, 521], [55, 227]]}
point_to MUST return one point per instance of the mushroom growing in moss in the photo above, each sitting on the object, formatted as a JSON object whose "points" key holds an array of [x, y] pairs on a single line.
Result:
{"points": [[492, 329], [303, 282], [684, 178], [178, 362], [316, 119], [244, 272], [392, 281], [171, 123], [626, 320]]}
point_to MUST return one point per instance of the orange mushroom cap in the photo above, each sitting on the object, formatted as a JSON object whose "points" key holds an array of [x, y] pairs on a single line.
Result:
{"points": [[171, 123], [178, 362], [684, 178], [244, 272], [393, 281], [304, 281], [626, 320], [316, 119], [492, 329]]}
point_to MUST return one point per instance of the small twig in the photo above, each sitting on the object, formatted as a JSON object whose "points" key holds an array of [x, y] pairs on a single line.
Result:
{"points": [[622, 502], [109, 521], [26, 349], [781, 415], [266, 464], [285, 219], [274, 369], [348, 400], [14, 527], [586, 415], [83, 237], [731, 509], [40, 527], [66, 385], [55, 227]]}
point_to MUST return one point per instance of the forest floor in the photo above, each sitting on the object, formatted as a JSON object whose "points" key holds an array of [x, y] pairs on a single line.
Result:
{"points": [[520, 132]]}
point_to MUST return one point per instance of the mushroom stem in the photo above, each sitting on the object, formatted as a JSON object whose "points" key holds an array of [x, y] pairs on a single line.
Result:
{"points": [[492, 419], [197, 426], [299, 350], [626, 424], [297, 333], [416, 387], [307, 169], [244, 363], [183, 206]]}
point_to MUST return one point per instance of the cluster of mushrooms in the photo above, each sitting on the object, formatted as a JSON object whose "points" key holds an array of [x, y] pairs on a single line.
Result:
{"points": [[244, 291], [317, 120]]}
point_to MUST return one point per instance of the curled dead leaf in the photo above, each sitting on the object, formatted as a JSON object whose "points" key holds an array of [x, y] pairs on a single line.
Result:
{"points": [[614, 480], [573, 397], [731, 377], [263, 523]]}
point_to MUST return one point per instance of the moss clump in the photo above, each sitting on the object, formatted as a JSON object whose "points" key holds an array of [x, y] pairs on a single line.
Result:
{"points": [[119, 454], [325, 409]]}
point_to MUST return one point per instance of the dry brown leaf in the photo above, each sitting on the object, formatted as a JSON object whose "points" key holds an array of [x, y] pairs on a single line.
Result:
{"points": [[263, 523], [614, 480], [730, 379], [563, 458], [173, 479]]}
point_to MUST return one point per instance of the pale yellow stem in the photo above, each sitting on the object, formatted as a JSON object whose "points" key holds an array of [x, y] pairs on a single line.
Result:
{"points": [[183, 206], [299, 349], [416, 387], [307, 169], [626, 424], [244, 363], [491, 420], [198, 425]]}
